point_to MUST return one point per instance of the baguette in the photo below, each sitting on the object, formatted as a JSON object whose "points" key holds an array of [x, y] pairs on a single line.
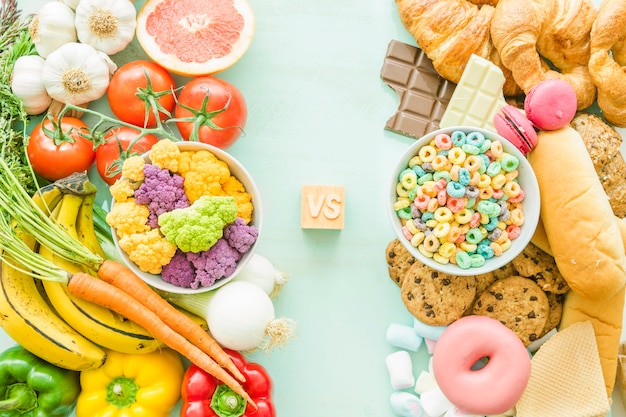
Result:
{"points": [[582, 232], [540, 239]]}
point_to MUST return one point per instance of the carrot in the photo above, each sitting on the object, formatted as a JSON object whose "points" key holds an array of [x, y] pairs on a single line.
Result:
{"points": [[97, 291], [121, 277]]}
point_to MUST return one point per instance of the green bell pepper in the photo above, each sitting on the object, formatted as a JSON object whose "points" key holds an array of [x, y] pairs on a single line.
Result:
{"points": [[32, 387]]}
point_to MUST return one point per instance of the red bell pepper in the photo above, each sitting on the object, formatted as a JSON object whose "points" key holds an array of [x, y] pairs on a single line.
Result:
{"points": [[204, 395]]}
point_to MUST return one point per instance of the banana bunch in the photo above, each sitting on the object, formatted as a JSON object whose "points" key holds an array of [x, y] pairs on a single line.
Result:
{"points": [[28, 318], [74, 212]]}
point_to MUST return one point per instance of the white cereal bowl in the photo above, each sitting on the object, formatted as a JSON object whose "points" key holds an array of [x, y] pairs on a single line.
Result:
{"points": [[238, 171], [531, 205]]}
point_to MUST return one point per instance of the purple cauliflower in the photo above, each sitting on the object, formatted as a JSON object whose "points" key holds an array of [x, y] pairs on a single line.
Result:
{"points": [[240, 236], [162, 191], [202, 269], [217, 262], [180, 271]]}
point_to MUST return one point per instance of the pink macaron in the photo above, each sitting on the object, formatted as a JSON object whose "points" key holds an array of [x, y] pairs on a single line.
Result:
{"points": [[512, 125], [551, 104]]}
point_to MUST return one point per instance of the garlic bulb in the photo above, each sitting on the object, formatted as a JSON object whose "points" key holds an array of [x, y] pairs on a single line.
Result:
{"points": [[107, 26], [26, 84], [52, 26], [76, 73]]}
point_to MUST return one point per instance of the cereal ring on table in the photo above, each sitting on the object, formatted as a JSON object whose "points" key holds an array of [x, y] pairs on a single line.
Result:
{"points": [[608, 59], [528, 34], [436, 298], [518, 303], [495, 387]]}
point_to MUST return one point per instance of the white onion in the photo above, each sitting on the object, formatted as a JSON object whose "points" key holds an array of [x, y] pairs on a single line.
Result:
{"points": [[241, 317]]}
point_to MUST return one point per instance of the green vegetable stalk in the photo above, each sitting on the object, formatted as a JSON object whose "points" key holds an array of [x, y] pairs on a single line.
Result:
{"points": [[30, 386], [15, 41]]}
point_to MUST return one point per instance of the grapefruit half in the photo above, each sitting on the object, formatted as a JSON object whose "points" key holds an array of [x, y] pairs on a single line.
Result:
{"points": [[195, 37]]}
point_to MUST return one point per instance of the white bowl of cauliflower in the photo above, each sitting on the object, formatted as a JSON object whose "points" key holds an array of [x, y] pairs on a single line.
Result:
{"points": [[185, 216]]}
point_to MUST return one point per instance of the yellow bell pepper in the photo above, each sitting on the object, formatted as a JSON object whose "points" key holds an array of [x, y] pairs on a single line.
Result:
{"points": [[132, 385]]}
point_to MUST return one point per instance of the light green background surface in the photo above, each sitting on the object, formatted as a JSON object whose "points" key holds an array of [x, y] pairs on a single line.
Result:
{"points": [[317, 108]]}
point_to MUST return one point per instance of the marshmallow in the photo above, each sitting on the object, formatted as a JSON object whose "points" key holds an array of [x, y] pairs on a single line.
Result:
{"points": [[434, 402], [425, 382], [402, 336], [430, 345], [405, 404], [428, 331], [400, 367]]}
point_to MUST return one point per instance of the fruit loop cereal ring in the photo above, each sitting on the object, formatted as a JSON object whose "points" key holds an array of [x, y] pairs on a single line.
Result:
{"points": [[498, 385], [431, 243], [462, 192], [457, 156], [458, 138], [408, 179], [455, 189], [443, 141], [472, 163], [427, 153]]}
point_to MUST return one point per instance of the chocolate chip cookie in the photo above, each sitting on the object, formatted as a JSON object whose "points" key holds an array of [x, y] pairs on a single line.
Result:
{"points": [[434, 297], [519, 304], [539, 266], [399, 260]]}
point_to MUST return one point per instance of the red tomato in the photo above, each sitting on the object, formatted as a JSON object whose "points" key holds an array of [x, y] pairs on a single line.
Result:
{"points": [[223, 117], [54, 156], [128, 92], [109, 159]]}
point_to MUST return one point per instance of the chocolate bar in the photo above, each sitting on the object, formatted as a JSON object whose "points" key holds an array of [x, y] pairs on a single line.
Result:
{"points": [[477, 97], [423, 93]]}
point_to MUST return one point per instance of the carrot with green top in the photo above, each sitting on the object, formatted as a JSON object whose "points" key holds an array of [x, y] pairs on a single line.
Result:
{"points": [[120, 276]]}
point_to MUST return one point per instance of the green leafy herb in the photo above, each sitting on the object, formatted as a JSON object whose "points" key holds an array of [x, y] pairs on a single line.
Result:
{"points": [[15, 41]]}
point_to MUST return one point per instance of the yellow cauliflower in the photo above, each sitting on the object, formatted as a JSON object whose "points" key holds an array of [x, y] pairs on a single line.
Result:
{"points": [[128, 217], [132, 169], [235, 188], [204, 175], [165, 154], [122, 190], [149, 250]]}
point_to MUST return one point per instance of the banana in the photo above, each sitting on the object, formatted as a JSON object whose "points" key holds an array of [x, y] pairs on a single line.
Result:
{"points": [[28, 319], [85, 227], [96, 323]]}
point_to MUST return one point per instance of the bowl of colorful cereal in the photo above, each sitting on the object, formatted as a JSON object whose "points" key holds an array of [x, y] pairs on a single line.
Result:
{"points": [[463, 200], [185, 216]]}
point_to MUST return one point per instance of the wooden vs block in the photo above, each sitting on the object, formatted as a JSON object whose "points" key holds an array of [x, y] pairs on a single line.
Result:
{"points": [[322, 207]]}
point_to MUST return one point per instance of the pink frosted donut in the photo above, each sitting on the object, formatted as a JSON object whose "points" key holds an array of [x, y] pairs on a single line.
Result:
{"points": [[497, 386]]}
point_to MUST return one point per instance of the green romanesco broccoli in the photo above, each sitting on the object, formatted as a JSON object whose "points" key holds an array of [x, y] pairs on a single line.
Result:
{"points": [[196, 228]]}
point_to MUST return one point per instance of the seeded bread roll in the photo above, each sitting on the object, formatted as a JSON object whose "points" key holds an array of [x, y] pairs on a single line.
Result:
{"points": [[582, 232]]}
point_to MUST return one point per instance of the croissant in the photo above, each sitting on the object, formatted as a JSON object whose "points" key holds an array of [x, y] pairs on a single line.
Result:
{"points": [[450, 31], [527, 32], [607, 64]]}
